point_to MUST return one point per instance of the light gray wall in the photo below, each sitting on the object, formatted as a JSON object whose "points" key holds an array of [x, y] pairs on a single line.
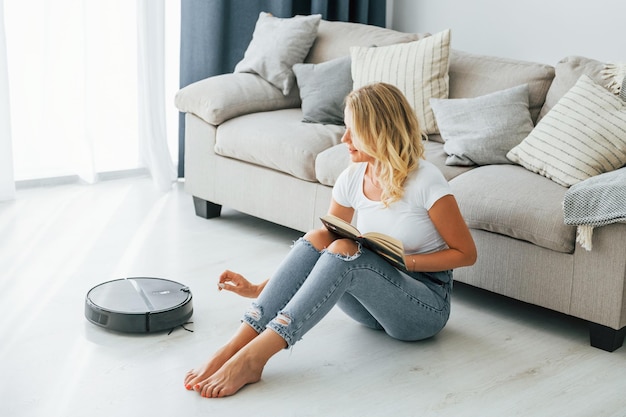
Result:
{"points": [[535, 30]]}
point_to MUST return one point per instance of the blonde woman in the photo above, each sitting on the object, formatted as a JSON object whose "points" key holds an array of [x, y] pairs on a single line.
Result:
{"points": [[394, 191]]}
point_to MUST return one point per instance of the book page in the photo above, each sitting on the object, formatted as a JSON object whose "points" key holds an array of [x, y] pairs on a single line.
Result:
{"points": [[386, 246]]}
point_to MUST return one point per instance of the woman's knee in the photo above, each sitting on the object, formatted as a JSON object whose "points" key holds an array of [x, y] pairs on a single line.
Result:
{"points": [[347, 247], [323, 239], [319, 238]]}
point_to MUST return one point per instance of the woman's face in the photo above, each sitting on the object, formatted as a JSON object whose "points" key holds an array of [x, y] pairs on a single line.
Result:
{"points": [[352, 141]]}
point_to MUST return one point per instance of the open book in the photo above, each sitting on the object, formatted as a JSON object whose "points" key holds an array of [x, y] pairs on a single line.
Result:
{"points": [[389, 248]]}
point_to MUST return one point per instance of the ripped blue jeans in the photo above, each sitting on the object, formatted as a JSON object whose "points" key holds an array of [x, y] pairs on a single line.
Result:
{"points": [[308, 283]]}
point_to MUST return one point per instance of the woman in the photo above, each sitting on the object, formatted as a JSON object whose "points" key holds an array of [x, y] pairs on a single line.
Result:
{"points": [[394, 191]]}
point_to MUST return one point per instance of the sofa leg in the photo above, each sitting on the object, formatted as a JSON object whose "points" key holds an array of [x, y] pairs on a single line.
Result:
{"points": [[206, 209], [606, 338]]}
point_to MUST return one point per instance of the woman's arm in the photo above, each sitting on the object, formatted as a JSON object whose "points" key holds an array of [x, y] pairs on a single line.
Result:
{"points": [[344, 213], [446, 217]]}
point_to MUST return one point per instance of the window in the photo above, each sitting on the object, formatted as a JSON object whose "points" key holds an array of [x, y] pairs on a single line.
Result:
{"points": [[73, 85]]}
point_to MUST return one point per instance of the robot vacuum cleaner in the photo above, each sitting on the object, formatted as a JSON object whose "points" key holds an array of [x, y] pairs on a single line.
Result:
{"points": [[139, 305]]}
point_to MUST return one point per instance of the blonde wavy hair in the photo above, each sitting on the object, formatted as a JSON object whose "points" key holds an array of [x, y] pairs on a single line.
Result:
{"points": [[386, 124]]}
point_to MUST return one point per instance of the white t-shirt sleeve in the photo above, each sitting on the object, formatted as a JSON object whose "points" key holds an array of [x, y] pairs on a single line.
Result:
{"points": [[345, 191], [436, 186]]}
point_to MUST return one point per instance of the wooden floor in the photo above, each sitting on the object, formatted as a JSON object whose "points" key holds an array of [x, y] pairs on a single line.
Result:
{"points": [[496, 357]]}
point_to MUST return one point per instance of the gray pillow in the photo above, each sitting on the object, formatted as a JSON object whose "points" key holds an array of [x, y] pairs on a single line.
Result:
{"points": [[277, 44], [323, 89], [482, 130]]}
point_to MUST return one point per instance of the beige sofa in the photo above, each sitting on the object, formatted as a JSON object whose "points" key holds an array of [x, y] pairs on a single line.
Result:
{"points": [[247, 148]]}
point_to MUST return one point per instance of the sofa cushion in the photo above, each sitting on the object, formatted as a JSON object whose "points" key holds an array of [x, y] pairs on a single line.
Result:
{"points": [[222, 97], [330, 163], [334, 39], [419, 69], [512, 201], [473, 75], [582, 136], [481, 130], [277, 44], [323, 89], [568, 71], [278, 140]]}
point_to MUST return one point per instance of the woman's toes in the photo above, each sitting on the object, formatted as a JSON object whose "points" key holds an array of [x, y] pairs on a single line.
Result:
{"points": [[208, 391], [188, 378]]}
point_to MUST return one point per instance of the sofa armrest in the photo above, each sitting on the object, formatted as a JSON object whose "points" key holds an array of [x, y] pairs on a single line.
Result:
{"points": [[222, 97]]}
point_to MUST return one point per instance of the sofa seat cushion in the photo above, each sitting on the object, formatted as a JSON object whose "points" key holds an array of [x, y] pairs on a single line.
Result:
{"points": [[330, 163], [278, 140], [515, 202]]}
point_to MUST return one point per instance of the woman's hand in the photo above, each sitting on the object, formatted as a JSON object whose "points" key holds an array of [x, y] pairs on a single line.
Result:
{"points": [[234, 282]]}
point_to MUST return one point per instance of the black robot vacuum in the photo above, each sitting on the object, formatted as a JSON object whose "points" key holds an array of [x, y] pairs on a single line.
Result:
{"points": [[139, 305]]}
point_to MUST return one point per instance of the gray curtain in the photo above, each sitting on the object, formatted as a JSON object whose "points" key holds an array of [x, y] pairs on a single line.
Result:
{"points": [[216, 33]]}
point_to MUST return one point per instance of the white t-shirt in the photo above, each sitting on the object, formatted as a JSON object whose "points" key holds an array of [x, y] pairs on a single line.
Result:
{"points": [[406, 219]]}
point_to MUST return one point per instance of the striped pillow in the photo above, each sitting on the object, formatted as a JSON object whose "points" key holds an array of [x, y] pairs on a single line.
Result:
{"points": [[419, 69], [582, 136]]}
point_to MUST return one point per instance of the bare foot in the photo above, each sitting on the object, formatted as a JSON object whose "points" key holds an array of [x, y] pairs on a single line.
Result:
{"points": [[241, 370], [195, 376], [241, 338]]}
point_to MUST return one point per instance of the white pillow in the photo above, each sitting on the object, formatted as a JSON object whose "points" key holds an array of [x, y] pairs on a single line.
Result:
{"points": [[277, 44], [583, 135], [419, 69], [481, 130]]}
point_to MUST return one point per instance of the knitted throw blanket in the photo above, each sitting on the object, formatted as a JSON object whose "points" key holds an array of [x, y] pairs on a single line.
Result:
{"points": [[595, 202], [615, 74]]}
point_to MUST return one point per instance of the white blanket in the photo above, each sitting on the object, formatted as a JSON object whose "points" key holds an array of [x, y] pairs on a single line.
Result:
{"points": [[595, 202]]}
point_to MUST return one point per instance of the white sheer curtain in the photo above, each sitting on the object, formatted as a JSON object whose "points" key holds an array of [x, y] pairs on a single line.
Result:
{"points": [[87, 88], [153, 149], [7, 186]]}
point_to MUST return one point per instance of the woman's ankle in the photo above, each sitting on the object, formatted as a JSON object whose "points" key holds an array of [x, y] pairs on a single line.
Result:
{"points": [[244, 335]]}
